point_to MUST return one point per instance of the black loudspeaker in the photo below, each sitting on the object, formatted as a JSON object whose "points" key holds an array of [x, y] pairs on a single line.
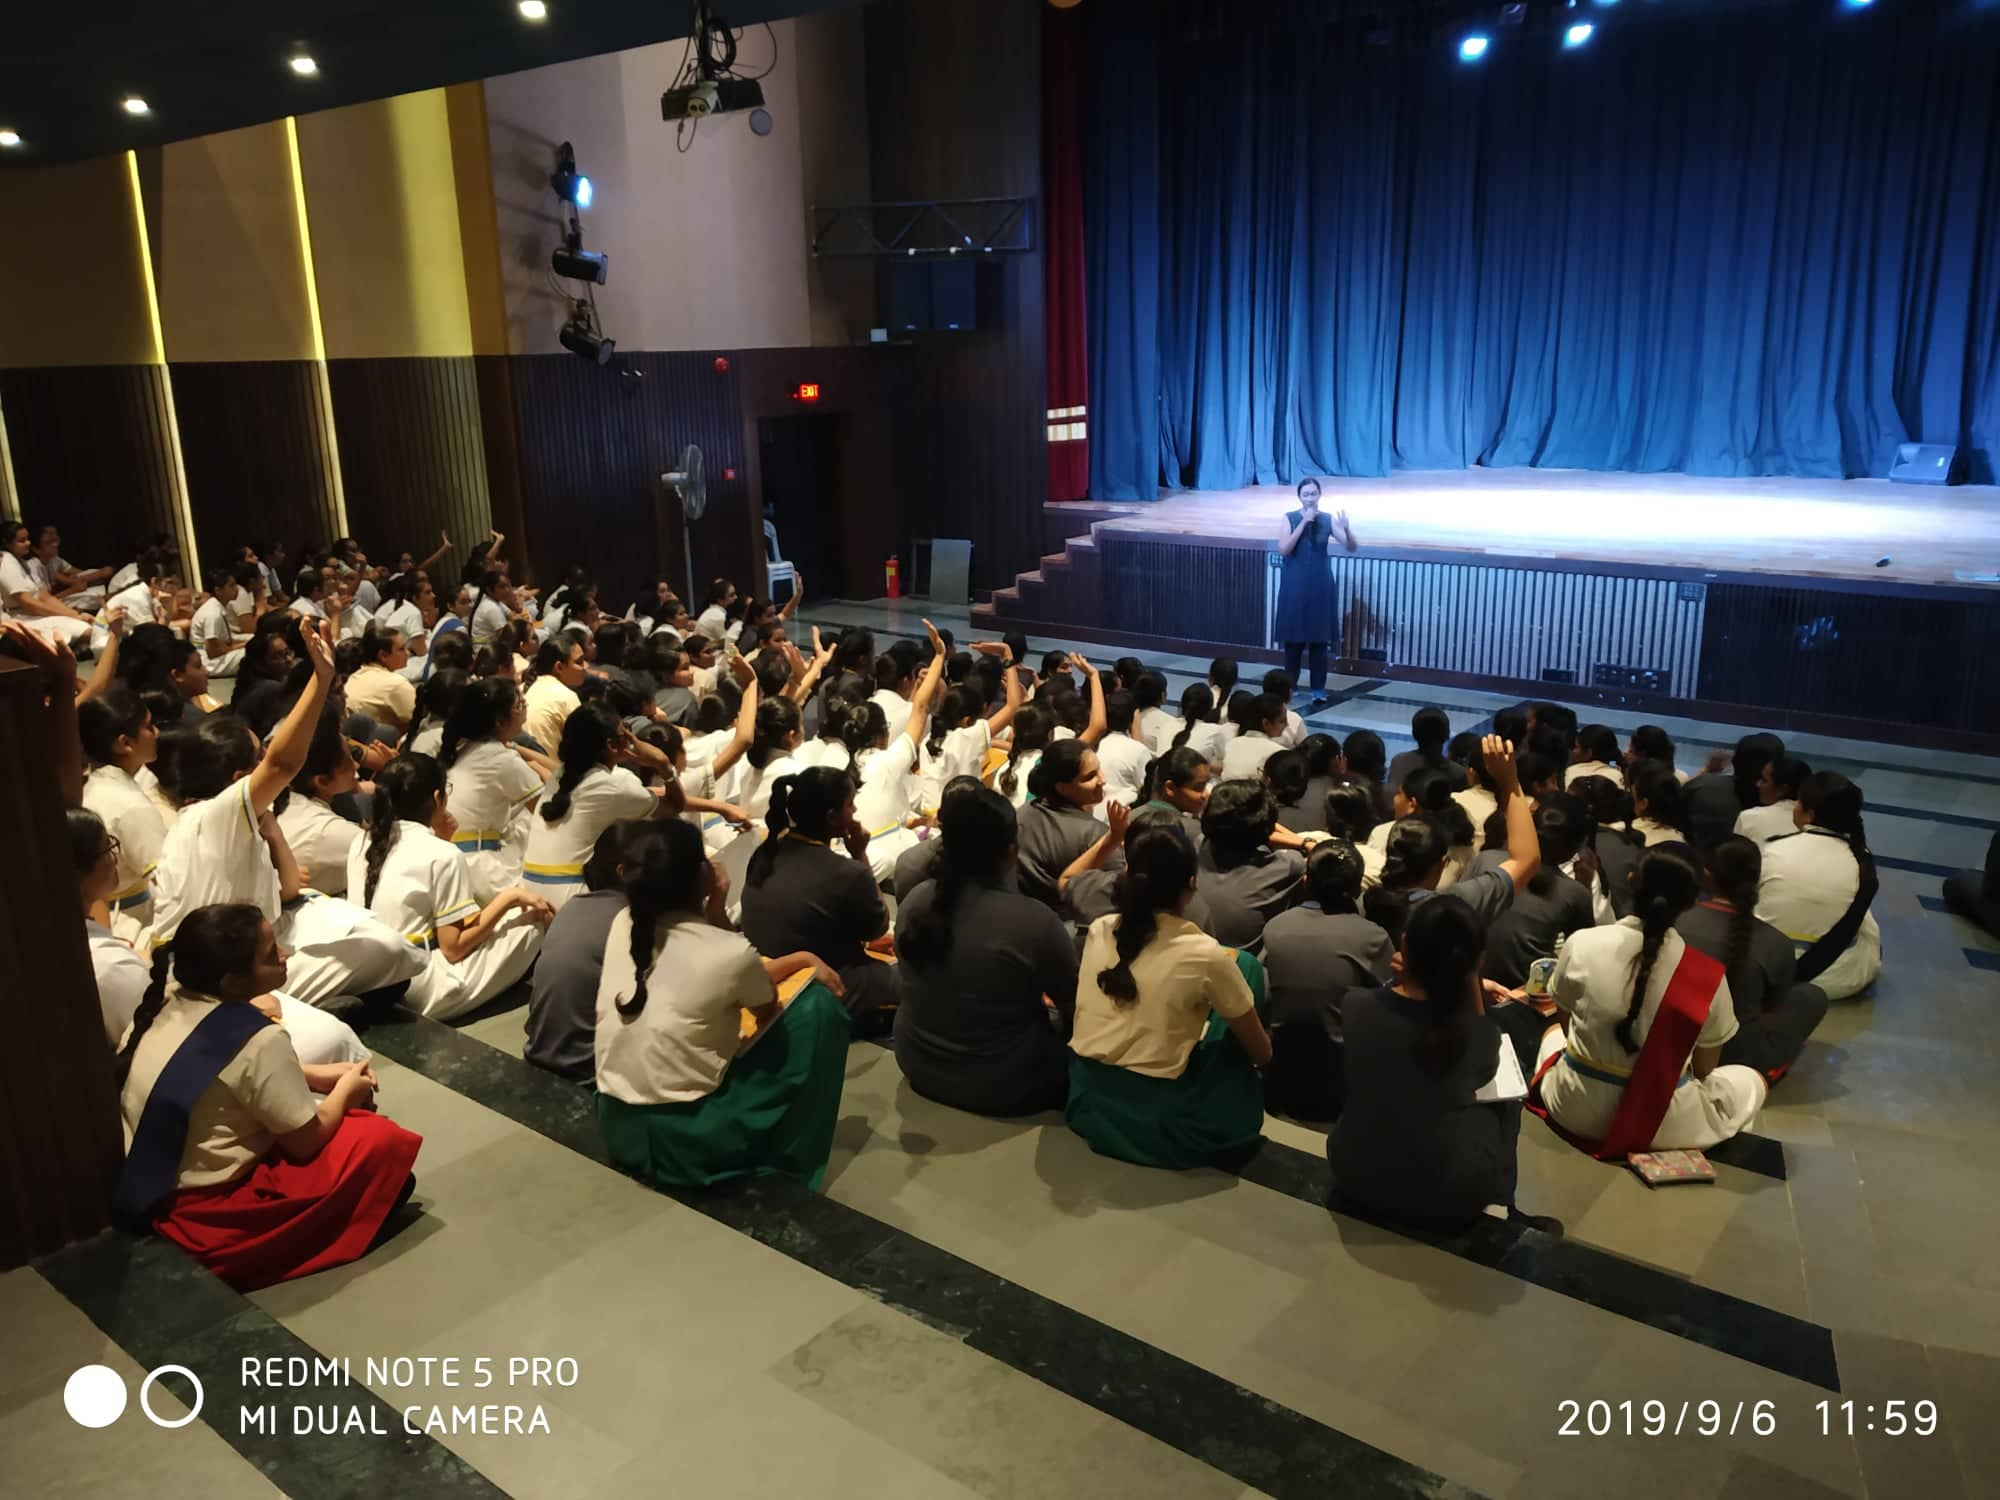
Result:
{"points": [[944, 295], [905, 290], [1927, 463]]}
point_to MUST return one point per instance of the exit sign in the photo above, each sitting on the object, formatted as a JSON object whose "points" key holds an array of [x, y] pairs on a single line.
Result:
{"points": [[807, 392]]}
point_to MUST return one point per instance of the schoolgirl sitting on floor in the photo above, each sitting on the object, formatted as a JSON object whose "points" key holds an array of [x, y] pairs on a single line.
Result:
{"points": [[592, 789], [259, 1166]]}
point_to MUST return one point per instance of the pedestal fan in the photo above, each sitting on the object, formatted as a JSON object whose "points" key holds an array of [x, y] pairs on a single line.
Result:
{"points": [[690, 487]]}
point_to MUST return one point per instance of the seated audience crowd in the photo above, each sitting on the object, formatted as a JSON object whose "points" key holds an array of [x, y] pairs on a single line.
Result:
{"points": [[715, 856]]}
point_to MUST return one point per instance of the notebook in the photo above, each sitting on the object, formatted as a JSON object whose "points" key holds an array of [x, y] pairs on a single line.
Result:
{"points": [[1506, 1084], [1665, 1168]]}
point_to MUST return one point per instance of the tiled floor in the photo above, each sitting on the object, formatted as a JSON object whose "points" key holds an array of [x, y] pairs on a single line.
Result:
{"points": [[984, 1308]]}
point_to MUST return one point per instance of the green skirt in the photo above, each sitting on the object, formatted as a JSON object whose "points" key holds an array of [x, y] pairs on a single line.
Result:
{"points": [[774, 1113], [1213, 1114]]}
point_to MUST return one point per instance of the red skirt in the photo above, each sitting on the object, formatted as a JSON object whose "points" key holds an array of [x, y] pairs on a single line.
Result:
{"points": [[285, 1219]]}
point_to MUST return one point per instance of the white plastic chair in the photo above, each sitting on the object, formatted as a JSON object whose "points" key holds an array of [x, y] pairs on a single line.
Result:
{"points": [[775, 566]]}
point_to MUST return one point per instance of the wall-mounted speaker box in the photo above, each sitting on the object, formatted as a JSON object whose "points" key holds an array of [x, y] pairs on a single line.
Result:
{"points": [[1927, 463], [944, 295]]}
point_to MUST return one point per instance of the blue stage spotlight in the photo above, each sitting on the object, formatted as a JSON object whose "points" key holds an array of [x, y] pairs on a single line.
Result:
{"points": [[1472, 48], [1578, 34], [1856, 4]]}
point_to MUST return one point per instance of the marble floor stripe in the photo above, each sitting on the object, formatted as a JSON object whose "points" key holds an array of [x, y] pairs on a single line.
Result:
{"points": [[1672, 1304], [1233, 1430], [161, 1308]]}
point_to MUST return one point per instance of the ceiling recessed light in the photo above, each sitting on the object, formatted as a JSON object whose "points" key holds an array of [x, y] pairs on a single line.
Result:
{"points": [[534, 10], [9, 138], [134, 105], [304, 66]]}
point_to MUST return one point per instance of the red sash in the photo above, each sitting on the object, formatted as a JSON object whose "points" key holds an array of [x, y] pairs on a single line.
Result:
{"points": [[1656, 1072]]}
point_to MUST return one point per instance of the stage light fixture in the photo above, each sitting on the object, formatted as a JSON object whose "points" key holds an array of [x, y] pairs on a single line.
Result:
{"points": [[303, 65], [1472, 48], [1856, 4], [1578, 34], [581, 265], [570, 185], [1513, 14], [134, 105], [9, 139], [586, 342], [533, 10]]}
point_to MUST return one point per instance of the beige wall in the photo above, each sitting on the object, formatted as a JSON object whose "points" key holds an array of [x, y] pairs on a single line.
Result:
{"points": [[226, 250], [707, 246], [383, 215], [72, 286]]}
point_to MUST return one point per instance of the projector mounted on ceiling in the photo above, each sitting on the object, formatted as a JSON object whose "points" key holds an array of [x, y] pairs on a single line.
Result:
{"points": [[709, 83]]}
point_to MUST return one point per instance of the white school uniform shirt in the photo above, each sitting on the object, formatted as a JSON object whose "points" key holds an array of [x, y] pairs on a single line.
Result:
{"points": [[14, 580], [307, 609], [491, 793], [157, 795], [712, 622], [402, 616], [549, 702], [353, 620], [488, 616], [703, 748], [1479, 805], [1211, 740], [751, 787], [895, 708], [1809, 880], [428, 740], [425, 884], [122, 978], [824, 753], [891, 791], [680, 1044], [1582, 768], [1244, 758], [1294, 734], [130, 817], [964, 751], [211, 627], [136, 600], [557, 851], [321, 841], [1157, 729], [1123, 760], [272, 588], [1024, 767], [367, 595], [214, 853], [1760, 824]]}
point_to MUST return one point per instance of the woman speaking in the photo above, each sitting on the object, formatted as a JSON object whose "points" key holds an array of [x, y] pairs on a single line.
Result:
{"points": [[1307, 599]]}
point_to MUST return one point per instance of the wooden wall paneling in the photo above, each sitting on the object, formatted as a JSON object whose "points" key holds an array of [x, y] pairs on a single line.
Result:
{"points": [[59, 1132], [412, 454], [93, 451], [954, 104], [256, 453], [592, 443]]}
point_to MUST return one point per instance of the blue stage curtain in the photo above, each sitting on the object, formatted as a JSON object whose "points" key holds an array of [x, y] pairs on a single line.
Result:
{"points": [[1719, 244]]}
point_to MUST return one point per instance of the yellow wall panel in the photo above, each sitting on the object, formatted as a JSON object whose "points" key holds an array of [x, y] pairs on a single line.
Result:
{"points": [[87, 304]]}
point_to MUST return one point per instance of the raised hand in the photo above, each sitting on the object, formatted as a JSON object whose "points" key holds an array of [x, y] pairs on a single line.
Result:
{"points": [[1118, 817], [1498, 756], [319, 650]]}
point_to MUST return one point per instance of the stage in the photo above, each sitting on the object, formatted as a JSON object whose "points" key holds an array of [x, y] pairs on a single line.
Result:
{"points": [[1804, 528], [1853, 606]]}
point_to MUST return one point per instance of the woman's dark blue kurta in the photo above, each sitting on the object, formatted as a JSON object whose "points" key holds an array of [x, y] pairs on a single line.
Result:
{"points": [[1305, 584]]}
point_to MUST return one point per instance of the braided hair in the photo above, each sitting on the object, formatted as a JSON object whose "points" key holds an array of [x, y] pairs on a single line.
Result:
{"points": [[978, 827], [858, 727], [1664, 885], [482, 708], [1430, 789], [1415, 853], [957, 705], [1197, 707], [1222, 677], [1033, 728], [1834, 803], [211, 943], [1734, 865], [1159, 864], [1334, 872], [1442, 947], [663, 861], [1350, 810], [405, 789], [806, 804], [587, 737]]}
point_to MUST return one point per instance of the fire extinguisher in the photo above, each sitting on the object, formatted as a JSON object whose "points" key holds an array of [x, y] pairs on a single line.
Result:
{"points": [[892, 578]]}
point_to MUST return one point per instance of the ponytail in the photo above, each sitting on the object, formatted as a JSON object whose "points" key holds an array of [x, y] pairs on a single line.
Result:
{"points": [[1663, 886], [587, 737], [1834, 803], [777, 720], [804, 803], [1032, 728], [408, 787], [211, 944], [1442, 946], [477, 715], [1159, 863], [1197, 707], [978, 827]]}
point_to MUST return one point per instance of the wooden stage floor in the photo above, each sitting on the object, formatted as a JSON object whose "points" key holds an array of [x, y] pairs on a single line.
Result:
{"points": [[1807, 528]]}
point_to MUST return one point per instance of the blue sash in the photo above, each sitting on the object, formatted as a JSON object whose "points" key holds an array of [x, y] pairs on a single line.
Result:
{"points": [[153, 1162]]}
